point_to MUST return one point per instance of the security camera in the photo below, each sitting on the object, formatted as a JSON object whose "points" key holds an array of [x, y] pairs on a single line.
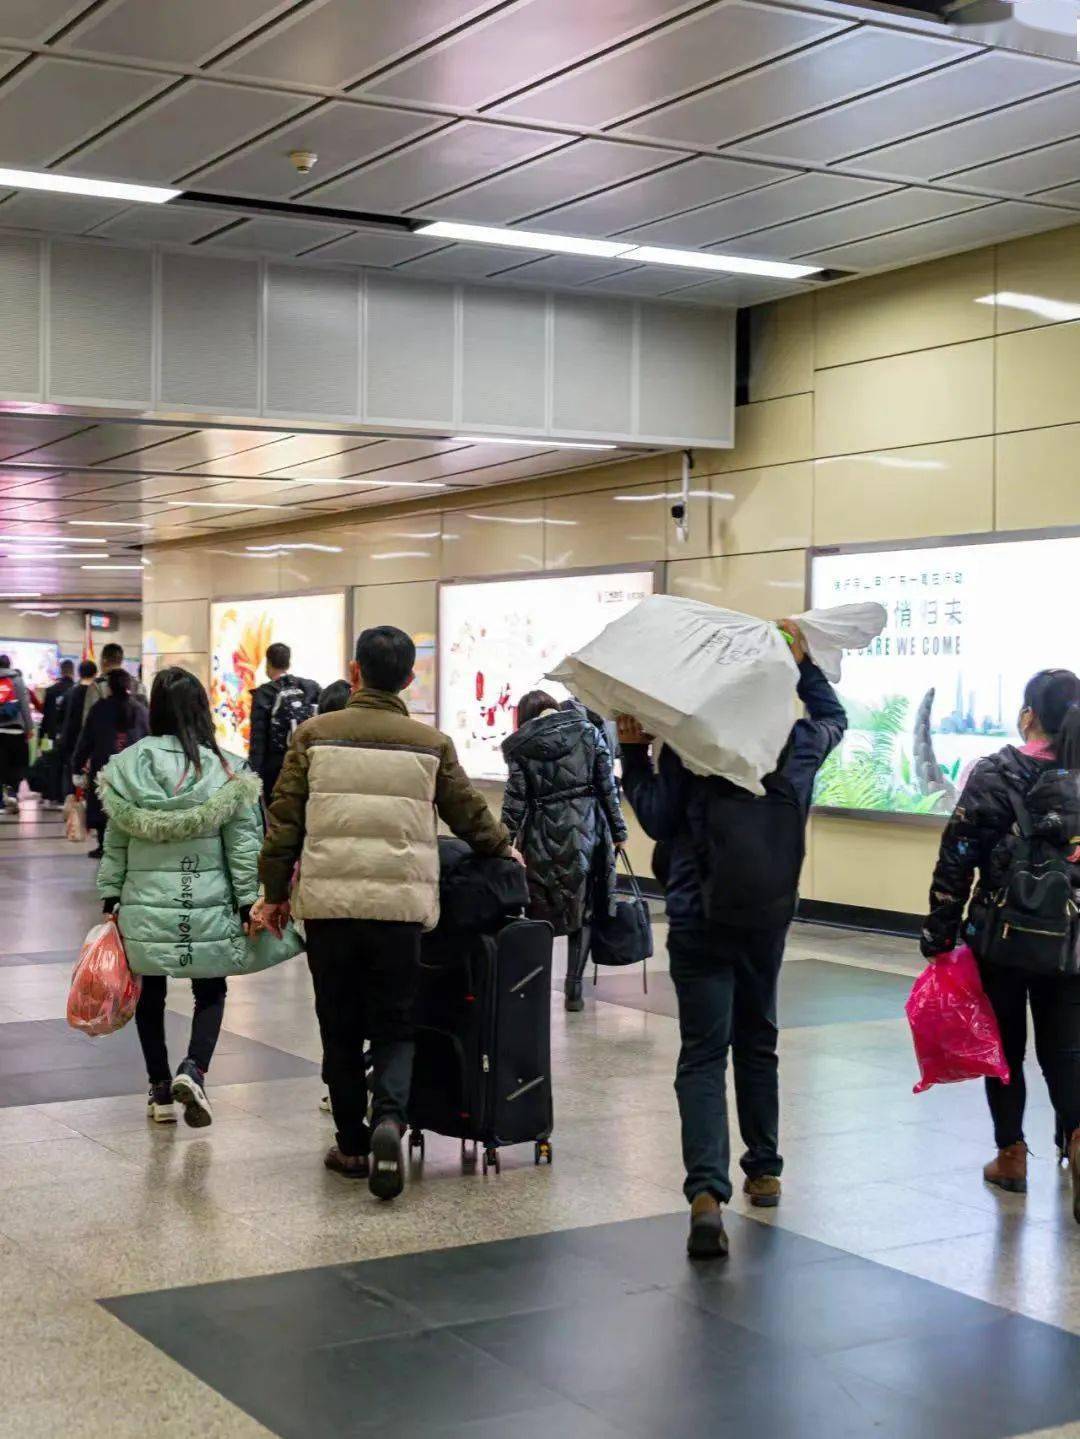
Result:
{"points": [[304, 160], [678, 513]]}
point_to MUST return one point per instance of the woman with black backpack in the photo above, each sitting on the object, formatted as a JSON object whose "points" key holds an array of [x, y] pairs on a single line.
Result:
{"points": [[1016, 827], [114, 723]]}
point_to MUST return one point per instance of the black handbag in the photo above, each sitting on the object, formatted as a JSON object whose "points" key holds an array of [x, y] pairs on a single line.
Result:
{"points": [[622, 933]]}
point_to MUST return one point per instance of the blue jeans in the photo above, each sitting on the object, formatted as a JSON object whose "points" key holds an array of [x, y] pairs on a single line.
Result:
{"points": [[726, 983]]}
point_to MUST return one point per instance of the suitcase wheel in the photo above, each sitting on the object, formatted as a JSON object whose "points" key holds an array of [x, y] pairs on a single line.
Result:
{"points": [[416, 1142], [543, 1152], [468, 1154], [492, 1160]]}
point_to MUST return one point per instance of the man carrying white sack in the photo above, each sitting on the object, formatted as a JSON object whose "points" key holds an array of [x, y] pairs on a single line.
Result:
{"points": [[733, 861]]}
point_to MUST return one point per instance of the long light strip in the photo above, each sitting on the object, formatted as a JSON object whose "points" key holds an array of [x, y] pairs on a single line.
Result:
{"points": [[538, 444], [220, 505], [108, 525], [77, 185], [525, 239], [8, 537], [112, 567], [21, 595], [615, 250]]}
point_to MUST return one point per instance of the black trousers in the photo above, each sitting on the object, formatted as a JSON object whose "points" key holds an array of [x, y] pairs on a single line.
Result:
{"points": [[1055, 1014], [578, 944], [14, 760], [365, 974], [726, 985], [205, 1024]]}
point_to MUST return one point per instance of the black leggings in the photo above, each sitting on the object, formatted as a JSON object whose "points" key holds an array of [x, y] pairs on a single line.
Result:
{"points": [[1055, 1014], [577, 955], [205, 1024]]}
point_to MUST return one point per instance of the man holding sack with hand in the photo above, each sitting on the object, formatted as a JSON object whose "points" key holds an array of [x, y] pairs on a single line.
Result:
{"points": [[732, 879]]}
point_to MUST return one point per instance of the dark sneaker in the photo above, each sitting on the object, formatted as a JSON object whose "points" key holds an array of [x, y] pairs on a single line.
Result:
{"points": [[708, 1237], [387, 1161], [159, 1104], [352, 1166], [575, 1000], [188, 1089], [763, 1191]]}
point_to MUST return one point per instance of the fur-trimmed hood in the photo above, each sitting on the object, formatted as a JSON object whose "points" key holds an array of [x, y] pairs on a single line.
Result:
{"points": [[152, 792]]}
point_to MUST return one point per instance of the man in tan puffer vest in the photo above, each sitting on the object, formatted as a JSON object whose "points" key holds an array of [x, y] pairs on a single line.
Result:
{"points": [[357, 804]]}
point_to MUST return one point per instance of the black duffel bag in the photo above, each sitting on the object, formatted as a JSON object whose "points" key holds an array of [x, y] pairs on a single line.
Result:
{"points": [[622, 931]]}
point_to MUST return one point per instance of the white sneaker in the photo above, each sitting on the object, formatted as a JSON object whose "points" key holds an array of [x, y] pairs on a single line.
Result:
{"points": [[324, 1104], [160, 1109], [11, 804]]}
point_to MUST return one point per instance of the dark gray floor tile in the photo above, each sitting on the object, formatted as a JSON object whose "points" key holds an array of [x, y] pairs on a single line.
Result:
{"points": [[812, 992], [556, 1421]]}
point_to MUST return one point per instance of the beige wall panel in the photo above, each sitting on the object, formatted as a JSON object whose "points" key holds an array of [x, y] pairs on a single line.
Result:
{"points": [[177, 575], [770, 585], [944, 394], [1038, 478], [782, 348], [1038, 280], [493, 540], [918, 308], [773, 432], [609, 527], [412, 607], [1037, 380], [317, 569], [905, 494], [236, 571], [393, 551], [177, 625], [198, 664], [762, 510], [877, 865]]}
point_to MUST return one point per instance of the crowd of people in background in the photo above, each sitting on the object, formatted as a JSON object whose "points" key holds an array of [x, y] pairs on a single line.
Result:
{"points": [[330, 819]]}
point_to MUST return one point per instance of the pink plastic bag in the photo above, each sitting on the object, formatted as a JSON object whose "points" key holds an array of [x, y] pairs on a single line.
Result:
{"points": [[104, 992], [953, 1026]]}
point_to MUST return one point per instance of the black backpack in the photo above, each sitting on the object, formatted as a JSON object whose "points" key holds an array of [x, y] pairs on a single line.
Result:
{"points": [[1031, 920], [750, 853], [292, 706]]}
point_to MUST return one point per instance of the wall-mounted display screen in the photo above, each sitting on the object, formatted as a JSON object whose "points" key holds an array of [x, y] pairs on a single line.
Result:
{"points": [[313, 626], [38, 660], [969, 624], [497, 640]]}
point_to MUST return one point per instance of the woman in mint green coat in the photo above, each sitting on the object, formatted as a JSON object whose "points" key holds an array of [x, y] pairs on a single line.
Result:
{"points": [[180, 868]]}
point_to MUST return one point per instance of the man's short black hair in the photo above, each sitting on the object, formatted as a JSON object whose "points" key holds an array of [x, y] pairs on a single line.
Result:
{"points": [[334, 697], [87, 669], [278, 657], [386, 657], [112, 654], [67, 668], [5, 662]]}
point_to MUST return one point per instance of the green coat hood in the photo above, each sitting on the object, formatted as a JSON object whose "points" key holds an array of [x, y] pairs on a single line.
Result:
{"points": [[152, 791]]}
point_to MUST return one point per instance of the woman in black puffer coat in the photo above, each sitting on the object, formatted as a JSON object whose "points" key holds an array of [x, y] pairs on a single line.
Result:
{"points": [[562, 808], [1045, 773]]}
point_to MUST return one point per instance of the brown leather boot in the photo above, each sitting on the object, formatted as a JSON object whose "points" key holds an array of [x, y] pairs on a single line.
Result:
{"points": [[1009, 1170], [708, 1238], [1074, 1171]]}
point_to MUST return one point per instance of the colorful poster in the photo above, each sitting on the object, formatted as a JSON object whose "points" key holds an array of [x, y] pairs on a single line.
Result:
{"points": [[943, 684], [420, 696], [497, 640], [313, 626], [37, 660]]}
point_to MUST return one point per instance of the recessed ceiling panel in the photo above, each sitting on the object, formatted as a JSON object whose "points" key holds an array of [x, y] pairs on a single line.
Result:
{"points": [[273, 236], [508, 50], [184, 34], [1063, 194], [847, 65], [855, 222], [789, 200], [329, 44], [721, 40], [555, 179], [939, 237], [556, 269], [200, 447], [647, 282], [53, 105], [368, 460], [19, 433], [455, 262], [943, 97], [976, 142], [342, 134], [158, 224], [374, 247], [183, 131], [681, 187], [150, 487], [467, 151], [284, 454], [57, 214], [36, 20], [103, 443], [1025, 174], [737, 291]]}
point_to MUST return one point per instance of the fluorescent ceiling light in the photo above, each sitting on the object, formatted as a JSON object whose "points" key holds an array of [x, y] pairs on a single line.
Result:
{"points": [[54, 554], [731, 264], [44, 614], [524, 239], [403, 555], [1041, 305], [530, 444], [109, 525], [76, 185], [279, 549], [220, 505], [20, 595], [113, 567], [9, 538]]}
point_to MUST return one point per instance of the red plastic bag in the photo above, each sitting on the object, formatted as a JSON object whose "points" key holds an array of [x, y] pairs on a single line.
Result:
{"points": [[953, 1026], [104, 992]]}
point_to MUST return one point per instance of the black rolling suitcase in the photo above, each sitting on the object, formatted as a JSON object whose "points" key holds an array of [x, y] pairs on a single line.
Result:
{"points": [[482, 1072]]}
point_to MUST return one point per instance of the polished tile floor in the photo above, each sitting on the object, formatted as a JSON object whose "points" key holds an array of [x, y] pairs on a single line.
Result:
{"points": [[223, 1284]]}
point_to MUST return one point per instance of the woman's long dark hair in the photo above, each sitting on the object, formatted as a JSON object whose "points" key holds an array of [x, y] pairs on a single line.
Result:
{"points": [[1053, 696], [119, 682], [534, 703], [179, 708]]}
